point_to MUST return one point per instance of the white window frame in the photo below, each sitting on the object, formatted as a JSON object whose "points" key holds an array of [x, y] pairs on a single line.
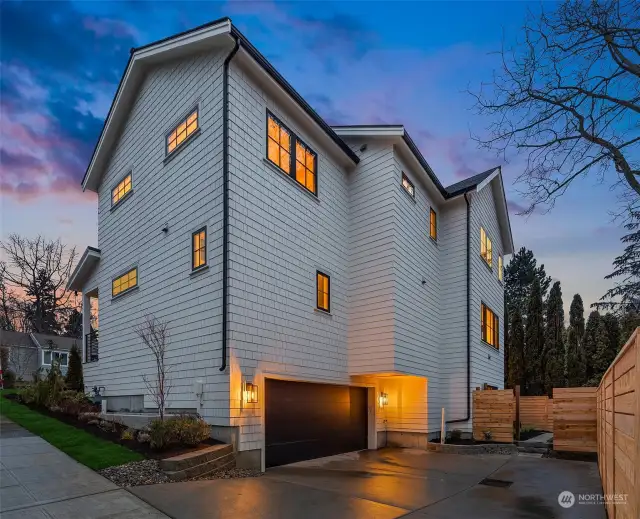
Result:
{"points": [[53, 354]]}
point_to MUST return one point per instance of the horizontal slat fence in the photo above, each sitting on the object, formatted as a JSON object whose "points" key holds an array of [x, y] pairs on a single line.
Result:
{"points": [[574, 419], [494, 411], [618, 403], [537, 412]]}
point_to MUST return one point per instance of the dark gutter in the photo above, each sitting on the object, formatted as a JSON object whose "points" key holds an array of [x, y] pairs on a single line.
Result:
{"points": [[225, 199], [423, 162], [468, 415], [269, 68], [183, 33]]}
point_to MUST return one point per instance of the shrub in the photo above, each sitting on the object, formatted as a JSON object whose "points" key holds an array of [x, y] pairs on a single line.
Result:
{"points": [[88, 416], [107, 425], [189, 429], [128, 434], [144, 437], [9, 379], [160, 434], [74, 379], [456, 435], [487, 435], [74, 403]]}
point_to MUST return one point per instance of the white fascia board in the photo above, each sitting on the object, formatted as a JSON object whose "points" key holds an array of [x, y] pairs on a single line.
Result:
{"points": [[488, 180], [369, 131], [500, 200], [87, 261]]}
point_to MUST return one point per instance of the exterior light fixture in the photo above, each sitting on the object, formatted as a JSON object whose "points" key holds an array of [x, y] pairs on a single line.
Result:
{"points": [[383, 399], [250, 393]]}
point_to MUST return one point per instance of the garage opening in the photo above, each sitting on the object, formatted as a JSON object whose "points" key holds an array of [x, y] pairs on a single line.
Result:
{"points": [[305, 420]]}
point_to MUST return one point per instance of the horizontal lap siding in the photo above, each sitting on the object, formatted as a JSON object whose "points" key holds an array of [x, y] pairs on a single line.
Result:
{"points": [[279, 237], [371, 262], [184, 194]]}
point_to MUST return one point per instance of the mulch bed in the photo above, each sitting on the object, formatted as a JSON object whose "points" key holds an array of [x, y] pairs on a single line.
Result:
{"points": [[468, 441], [115, 435]]}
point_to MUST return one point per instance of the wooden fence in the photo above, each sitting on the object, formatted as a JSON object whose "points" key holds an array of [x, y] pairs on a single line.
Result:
{"points": [[494, 411], [574, 419], [537, 412], [618, 416]]}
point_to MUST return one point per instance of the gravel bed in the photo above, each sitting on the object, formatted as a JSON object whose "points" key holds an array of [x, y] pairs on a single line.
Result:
{"points": [[148, 472]]}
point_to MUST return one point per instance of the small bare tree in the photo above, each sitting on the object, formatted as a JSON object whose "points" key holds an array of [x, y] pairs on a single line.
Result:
{"points": [[154, 335], [20, 359], [567, 95]]}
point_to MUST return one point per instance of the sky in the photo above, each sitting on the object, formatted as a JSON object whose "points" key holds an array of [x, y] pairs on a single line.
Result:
{"points": [[355, 62]]}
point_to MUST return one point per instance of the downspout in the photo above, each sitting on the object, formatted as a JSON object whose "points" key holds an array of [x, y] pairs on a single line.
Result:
{"points": [[225, 197], [468, 415]]}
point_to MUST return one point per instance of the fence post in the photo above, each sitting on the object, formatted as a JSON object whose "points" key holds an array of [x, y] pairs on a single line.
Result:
{"points": [[517, 394]]}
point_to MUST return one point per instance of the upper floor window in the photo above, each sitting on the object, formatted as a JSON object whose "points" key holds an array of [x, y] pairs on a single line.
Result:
{"points": [[323, 291], [500, 269], [125, 282], [489, 326], [302, 166], [408, 186], [485, 247], [433, 224], [121, 190], [199, 249], [182, 131], [59, 357]]}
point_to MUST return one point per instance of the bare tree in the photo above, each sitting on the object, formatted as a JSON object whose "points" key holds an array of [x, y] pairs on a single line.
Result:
{"points": [[154, 335], [20, 359], [39, 269], [567, 96]]}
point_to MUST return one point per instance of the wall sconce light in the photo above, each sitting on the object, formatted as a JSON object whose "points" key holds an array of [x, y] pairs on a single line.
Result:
{"points": [[250, 393], [383, 399]]}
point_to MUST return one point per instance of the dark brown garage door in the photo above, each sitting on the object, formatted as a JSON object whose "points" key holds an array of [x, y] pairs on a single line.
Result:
{"points": [[305, 421]]}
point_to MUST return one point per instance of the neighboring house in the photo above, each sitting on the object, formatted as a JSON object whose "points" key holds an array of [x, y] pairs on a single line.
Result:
{"points": [[323, 291], [31, 353]]}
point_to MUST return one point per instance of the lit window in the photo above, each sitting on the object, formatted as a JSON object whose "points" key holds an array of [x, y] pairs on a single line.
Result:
{"points": [[121, 190], [125, 282], [279, 144], [485, 247], [500, 270], [489, 326], [408, 186], [183, 129], [199, 248], [322, 282], [433, 225], [305, 166]]}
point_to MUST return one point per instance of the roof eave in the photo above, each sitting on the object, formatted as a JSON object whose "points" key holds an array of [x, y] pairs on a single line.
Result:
{"points": [[88, 261]]}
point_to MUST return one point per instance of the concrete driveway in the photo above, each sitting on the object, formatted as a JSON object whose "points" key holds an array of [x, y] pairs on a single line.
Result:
{"points": [[386, 484]]}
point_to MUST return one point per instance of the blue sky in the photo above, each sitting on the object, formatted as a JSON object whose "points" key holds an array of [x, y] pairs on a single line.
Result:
{"points": [[355, 62]]}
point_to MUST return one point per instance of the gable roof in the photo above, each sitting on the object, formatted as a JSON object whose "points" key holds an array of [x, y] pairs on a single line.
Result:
{"points": [[210, 35], [37, 340], [468, 184]]}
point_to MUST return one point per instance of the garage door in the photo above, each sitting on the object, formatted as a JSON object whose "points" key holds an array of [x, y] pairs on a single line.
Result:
{"points": [[305, 421]]}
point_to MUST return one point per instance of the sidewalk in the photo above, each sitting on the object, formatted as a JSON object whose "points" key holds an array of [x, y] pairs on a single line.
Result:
{"points": [[39, 481]]}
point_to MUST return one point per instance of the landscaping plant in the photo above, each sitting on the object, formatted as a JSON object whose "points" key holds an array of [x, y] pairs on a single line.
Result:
{"points": [[74, 378]]}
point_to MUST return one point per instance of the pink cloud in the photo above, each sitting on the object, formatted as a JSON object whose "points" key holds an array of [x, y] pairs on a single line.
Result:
{"points": [[102, 27]]}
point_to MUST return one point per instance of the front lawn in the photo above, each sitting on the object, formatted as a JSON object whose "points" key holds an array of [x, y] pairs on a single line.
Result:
{"points": [[89, 450]]}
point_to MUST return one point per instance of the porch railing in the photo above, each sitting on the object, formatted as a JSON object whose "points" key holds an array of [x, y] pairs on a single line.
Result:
{"points": [[91, 346]]}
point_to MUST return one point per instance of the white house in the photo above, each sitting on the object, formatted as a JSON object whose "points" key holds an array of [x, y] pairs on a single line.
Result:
{"points": [[325, 269]]}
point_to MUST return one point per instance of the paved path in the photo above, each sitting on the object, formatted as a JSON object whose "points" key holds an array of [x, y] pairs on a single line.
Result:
{"points": [[541, 438], [39, 481]]}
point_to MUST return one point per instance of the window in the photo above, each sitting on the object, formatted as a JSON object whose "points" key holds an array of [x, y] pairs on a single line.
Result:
{"points": [[127, 281], [485, 247], [303, 167], [433, 225], [489, 324], [60, 357], [182, 130], [500, 270], [322, 282], [199, 249], [121, 190], [489, 387], [408, 186]]}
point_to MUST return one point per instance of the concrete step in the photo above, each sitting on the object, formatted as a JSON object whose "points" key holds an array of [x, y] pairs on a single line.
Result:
{"points": [[195, 458], [223, 462]]}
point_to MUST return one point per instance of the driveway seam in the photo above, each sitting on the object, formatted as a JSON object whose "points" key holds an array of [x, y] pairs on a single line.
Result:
{"points": [[59, 500], [457, 493]]}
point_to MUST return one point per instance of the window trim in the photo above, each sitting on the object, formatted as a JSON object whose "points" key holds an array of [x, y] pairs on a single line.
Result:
{"points": [[130, 289], [293, 139], [413, 187], [193, 235], [487, 261], [184, 117], [126, 195], [496, 324], [500, 268], [318, 307], [59, 352], [433, 214]]}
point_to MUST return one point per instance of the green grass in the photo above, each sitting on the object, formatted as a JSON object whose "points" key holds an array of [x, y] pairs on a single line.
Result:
{"points": [[89, 450]]}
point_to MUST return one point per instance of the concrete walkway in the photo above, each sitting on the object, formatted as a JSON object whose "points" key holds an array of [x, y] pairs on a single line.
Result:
{"points": [[541, 438], [39, 481]]}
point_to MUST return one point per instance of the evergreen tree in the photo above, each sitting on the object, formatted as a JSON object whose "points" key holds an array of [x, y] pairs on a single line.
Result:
{"points": [[629, 321], [74, 379], [554, 357], [519, 274], [575, 368], [534, 342], [73, 326], [614, 338], [595, 341], [515, 371]]}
